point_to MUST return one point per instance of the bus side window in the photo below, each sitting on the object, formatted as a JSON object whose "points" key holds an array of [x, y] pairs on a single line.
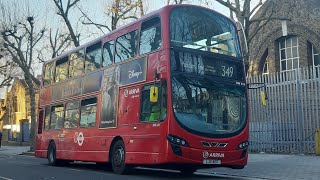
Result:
{"points": [[88, 112], [151, 111], [47, 118], [61, 69], [72, 115], [57, 116], [93, 57], [150, 36], [108, 52], [126, 46], [48, 74], [76, 63]]}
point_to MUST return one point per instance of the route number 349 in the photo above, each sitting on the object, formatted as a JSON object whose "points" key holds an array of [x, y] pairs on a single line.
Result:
{"points": [[227, 71]]}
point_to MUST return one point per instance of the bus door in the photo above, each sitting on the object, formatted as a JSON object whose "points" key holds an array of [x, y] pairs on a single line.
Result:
{"points": [[146, 115]]}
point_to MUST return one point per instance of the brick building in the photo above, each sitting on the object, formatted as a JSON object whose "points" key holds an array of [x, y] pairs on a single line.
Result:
{"points": [[283, 45]]}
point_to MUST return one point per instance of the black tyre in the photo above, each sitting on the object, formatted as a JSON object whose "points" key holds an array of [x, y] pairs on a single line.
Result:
{"points": [[51, 154], [237, 167], [117, 158], [188, 171]]}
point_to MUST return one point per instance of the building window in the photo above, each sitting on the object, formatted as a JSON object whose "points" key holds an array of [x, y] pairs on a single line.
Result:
{"points": [[266, 67], [315, 56], [265, 61], [289, 54]]}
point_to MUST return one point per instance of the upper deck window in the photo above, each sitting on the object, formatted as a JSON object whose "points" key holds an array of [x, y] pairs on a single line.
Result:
{"points": [[202, 29], [93, 57], [61, 69], [126, 46], [150, 36], [76, 63], [48, 73], [108, 52]]}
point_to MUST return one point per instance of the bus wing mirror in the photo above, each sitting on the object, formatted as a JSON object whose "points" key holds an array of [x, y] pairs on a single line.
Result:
{"points": [[154, 94]]}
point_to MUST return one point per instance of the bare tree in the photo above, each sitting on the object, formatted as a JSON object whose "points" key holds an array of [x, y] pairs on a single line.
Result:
{"points": [[5, 76], [58, 43], [243, 12], [118, 10], [20, 39], [176, 1], [63, 11]]}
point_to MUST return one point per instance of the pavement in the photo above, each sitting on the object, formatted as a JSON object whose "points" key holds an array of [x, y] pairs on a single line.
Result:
{"points": [[275, 166], [260, 166], [14, 150]]}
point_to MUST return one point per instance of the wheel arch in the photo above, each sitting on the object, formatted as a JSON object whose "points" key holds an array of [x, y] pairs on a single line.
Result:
{"points": [[115, 139]]}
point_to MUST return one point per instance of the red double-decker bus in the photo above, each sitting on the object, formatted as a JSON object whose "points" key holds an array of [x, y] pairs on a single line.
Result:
{"points": [[168, 89]]}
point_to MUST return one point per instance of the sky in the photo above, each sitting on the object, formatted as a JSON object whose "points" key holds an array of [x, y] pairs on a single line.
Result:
{"points": [[44, 12]]}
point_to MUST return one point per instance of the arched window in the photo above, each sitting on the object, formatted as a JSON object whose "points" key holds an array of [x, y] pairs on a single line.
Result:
{"points": [[265, 61], [315, 56], [289, 53]]}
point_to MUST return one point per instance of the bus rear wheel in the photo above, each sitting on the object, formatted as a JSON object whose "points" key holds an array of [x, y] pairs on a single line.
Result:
{"points": [[118, 156], [52, 155]]}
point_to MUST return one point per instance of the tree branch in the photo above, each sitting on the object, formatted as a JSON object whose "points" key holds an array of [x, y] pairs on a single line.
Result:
{"points": [[229, 5]]}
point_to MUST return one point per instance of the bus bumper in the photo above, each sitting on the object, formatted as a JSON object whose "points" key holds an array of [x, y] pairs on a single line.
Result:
{"points": [[210, 158]]}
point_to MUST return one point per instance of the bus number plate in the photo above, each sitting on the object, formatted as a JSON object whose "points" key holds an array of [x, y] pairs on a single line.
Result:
{"points": [[211, 161]]}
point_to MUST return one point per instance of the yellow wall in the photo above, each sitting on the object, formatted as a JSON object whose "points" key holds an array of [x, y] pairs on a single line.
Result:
{"points": [[18, 110]]}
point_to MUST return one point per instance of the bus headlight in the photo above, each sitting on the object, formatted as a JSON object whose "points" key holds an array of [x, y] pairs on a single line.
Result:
{"points": [[243, 145], [177, 140]]}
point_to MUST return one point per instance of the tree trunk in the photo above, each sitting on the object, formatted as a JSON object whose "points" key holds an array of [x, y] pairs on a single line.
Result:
{"points": [[33, 110], [72, 34]]}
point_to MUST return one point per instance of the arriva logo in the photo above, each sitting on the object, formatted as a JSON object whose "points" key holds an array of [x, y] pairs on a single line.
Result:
{"points": [[206, 155], [131, 92]]}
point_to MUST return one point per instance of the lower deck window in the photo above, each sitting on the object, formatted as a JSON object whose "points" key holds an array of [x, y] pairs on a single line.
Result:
{"points": [[88, 112]]}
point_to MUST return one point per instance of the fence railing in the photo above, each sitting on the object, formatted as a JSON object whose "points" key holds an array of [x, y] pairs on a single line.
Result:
{"points": [[288, 122]]}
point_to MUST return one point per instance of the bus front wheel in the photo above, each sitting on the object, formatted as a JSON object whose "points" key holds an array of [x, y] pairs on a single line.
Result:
{"points": [[188, 171], [118, 156]]}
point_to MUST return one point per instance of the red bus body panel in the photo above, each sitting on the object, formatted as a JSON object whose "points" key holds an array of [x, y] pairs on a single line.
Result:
{"points": [[145, 143]]}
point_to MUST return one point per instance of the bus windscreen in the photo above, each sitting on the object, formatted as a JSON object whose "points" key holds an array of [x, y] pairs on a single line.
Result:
{"points": [[203, 30]]}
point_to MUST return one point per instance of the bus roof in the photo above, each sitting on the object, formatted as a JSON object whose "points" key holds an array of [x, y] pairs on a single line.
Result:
{"points": [[148, 15]]}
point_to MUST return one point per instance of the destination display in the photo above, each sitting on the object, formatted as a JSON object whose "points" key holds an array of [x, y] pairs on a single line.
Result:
{"points": [[205, 65]]}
